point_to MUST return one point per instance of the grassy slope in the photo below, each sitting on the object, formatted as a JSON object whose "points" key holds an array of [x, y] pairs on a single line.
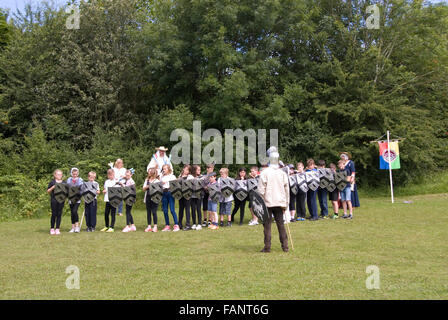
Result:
{"points": [[408, 242]]}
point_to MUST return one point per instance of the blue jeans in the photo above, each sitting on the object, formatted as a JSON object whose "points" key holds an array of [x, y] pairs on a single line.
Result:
{"points": [[312, 204], [167, 198], [322, 195], [120, 207]]}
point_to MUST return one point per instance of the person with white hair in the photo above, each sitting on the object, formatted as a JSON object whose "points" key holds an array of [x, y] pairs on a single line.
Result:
{"points": [[273, 187], [74, 180], [159, 159]]}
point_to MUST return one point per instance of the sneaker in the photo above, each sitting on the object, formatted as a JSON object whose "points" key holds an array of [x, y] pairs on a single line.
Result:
{"points": [[88, 230], [126, 229], [210, 226], [325, 217], [52, 232], [167, 228], [155, 228], [204, 223], [72, 230], [193, 227], [344, 216], [57, 231], [335, 216], [176, 228], [133, 228], [221, 224], [187, 228], [241, 223], [350, 216], [110, 230], [214, 227], [92, 229], [104, 229], [199, 227], [229, 224], [77, 230], [148, 229], [292, 220]]}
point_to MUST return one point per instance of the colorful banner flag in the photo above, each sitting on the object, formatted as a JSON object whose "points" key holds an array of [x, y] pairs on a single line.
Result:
{"points": [[394, 155]]}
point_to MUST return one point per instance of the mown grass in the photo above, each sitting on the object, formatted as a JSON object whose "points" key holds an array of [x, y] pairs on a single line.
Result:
{"points": [[434, 183], [408, 243]]}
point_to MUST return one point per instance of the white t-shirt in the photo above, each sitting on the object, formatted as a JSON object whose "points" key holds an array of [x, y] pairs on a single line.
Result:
{"points": [[166, 180], [109, 183], [119, 173]]}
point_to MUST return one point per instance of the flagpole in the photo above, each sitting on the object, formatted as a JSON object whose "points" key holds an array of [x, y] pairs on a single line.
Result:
{"points": [[390, 168]]}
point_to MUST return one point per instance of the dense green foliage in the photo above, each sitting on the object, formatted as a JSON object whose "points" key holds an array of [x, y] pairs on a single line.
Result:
{"points": [[137, 69]]}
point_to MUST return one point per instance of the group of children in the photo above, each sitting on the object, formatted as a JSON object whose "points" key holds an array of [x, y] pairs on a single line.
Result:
{"points": [[197, 203], [301, 199]]}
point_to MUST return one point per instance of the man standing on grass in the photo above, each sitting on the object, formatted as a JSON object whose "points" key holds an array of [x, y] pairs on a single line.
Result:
{"points": [[273, 187]]}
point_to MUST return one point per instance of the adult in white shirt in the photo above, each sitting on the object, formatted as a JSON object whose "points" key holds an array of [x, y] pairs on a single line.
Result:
{"points": [[159, 159], [273, 187]]}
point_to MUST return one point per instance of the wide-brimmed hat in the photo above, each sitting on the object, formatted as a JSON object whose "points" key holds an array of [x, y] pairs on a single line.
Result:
{"points": [[162, 148], [345, 153]]}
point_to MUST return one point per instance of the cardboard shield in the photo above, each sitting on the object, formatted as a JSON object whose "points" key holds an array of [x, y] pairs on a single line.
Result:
{"points": [[331, 186], [252, 184], [324, 177], [204, 180], [227, 187], [156, 191], [301, 182], [176, 189], [258, 206], [129, 195], [74, 193], [340, 179], [241, 192], [197, 187], [88, 191], [312, 179], [293, 184], [115, 196], [214, 192], [60, 192], [187, 188]]}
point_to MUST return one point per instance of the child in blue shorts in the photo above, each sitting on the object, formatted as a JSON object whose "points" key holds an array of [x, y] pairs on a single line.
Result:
{"points": [[346, 194], [225, 204], [212, 206]]}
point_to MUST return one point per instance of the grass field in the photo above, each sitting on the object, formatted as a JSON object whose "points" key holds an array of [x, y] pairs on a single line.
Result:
{"points": [[408, 242]]}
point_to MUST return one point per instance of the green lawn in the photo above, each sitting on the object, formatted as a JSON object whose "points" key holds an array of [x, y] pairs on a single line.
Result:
{"points": [[408, 243]]}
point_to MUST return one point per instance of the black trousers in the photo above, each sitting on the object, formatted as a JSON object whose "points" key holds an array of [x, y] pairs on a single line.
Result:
{"points": [[301, 204], [74, 212], [129, 219], [112, 211], [205, 203], [184, 204], [56, 213], [239, 205], [151, 210], [196, 212], [278, 216], [292, 201], [90, 213]]}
